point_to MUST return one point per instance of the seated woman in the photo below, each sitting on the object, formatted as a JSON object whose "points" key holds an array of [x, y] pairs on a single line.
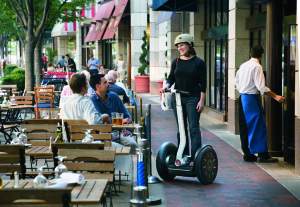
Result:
{"points": [[50, 67], [59, 68]]}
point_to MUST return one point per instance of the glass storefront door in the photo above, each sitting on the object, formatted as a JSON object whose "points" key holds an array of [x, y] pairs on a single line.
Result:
{"points": [[289, 63]]}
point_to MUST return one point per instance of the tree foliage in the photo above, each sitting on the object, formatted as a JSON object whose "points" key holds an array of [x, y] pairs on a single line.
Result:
{"points": [[34, 16]]}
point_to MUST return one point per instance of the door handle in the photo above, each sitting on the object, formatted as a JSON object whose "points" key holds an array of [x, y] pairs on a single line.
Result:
{"points": [[284, 104]]}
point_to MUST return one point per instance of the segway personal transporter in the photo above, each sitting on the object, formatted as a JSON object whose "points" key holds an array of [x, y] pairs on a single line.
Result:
{"points": [[170, 162]]}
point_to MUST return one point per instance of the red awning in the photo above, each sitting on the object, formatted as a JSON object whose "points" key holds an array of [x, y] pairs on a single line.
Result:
{"points": [[87, 38], [115, 20], [103, 13]]}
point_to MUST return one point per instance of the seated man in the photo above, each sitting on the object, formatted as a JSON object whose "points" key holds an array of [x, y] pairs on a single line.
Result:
{"points": [[116, 89], [107, 102], [114, 73], [78, 106]]}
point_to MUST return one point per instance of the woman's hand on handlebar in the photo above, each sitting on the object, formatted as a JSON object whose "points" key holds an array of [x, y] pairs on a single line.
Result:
{"points": [[200, 106], [162, 90]]}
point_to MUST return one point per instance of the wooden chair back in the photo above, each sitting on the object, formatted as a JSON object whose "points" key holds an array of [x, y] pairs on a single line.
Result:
{"points": [[9, 89], [39, 134], [57, 146], [100, 132], [44, 97], [67, 123], [35, 197], [42, 121], [23, 100], [96, 164], [12, 159]]}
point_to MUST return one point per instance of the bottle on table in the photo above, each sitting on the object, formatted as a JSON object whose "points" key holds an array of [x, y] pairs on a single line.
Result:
{"points": [[16, 175], [59, 138]]}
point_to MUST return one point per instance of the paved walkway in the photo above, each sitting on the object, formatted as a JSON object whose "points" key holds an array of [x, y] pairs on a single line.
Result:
{"points": [[237, 184]]}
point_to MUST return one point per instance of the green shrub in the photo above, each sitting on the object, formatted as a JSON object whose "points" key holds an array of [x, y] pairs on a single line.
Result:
{"points": [[18, 71], [142, 59], [8, 69], [12, 79]]}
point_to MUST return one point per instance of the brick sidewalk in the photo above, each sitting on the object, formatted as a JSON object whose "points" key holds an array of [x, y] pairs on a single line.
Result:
{"points": [[237, 184]]}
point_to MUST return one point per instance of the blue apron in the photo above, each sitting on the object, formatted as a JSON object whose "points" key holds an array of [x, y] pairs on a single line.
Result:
{"points": [[256, 124]]}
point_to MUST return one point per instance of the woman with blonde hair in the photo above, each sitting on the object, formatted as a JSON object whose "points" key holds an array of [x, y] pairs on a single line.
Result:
{"points": [[120, 69]]}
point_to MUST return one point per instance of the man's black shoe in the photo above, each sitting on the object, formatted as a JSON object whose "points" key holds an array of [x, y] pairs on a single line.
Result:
{"points": [[250, 158], [268, 160]]}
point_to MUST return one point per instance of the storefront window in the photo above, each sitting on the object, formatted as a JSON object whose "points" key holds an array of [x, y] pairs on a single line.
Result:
{"points": [[216, 15]]}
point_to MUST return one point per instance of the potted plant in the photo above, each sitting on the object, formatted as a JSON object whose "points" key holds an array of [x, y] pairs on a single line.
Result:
{"points": [[142, 80]]}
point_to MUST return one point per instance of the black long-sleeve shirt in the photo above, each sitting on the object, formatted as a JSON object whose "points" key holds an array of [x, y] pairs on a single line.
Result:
{"points": [[188, 75]]}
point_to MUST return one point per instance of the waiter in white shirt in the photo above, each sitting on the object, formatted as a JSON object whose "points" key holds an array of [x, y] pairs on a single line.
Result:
{"points": [[250, 81]]}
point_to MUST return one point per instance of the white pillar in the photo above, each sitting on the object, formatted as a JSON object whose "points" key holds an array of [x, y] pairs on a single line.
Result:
{"points": [[238, 52], [138, 26]]}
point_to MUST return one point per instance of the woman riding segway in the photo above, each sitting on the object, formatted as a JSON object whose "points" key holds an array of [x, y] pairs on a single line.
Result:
{"points": [[188, 72]]}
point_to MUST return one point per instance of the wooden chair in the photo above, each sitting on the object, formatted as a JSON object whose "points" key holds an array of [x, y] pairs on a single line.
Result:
{"points": [[42, 121], [101, 132], [93, 164], [9, 89], [39, 135], [57, 146], [12, 159], [44, 97], [35, 197], [66, 126]]}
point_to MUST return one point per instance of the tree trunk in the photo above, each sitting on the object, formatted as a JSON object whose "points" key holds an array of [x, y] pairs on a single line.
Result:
{"points": [[29, 65], [38, 60]]}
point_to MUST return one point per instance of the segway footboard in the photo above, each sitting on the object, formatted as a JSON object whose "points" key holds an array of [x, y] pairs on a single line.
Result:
{"points": [[206, 164]]}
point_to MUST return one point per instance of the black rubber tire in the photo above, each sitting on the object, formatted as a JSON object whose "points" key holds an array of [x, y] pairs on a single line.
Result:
{"points": [[165, 150], [206, 165]]}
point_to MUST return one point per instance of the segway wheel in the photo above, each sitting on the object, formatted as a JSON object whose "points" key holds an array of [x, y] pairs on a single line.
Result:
{"points": [[166, 156], [206, 165]]}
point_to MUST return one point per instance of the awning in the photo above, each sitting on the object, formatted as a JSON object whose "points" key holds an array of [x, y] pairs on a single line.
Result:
{"points": [[175, 5], [115, 20], [101, 17], [164, 16]]}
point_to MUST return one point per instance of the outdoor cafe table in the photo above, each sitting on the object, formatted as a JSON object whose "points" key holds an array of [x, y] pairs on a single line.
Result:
{"points": [[18, 107], [45, 151], [89, 192]]}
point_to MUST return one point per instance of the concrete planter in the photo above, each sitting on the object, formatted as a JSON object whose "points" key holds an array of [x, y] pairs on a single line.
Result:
{"points": [[141, 84]]}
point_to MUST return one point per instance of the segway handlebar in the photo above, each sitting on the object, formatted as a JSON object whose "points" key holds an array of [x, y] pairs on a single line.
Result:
{"points": [[177, 91]]}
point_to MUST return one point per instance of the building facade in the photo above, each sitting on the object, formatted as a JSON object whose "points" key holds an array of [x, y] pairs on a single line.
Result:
{"points": [[224, 32]]}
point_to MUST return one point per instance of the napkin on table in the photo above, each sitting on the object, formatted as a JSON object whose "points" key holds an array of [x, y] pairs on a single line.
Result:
{"points": [[58, 185], [70, 177]]}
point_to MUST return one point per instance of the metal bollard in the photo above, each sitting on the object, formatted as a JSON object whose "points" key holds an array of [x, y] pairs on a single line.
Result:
{"points": [[143, 152], [151, 179], [140, 196]]}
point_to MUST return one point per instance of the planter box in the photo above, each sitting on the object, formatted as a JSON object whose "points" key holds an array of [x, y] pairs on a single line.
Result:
{"points": [[141, 84]]}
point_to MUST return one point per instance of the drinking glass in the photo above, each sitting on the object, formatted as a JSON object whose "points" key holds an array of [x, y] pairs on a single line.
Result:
{"points": [[61, 168], [120, 119], [23, 136], [16, 139], [44, 114], [40, 181], [88, 137], [114, 118], [54, 114]]}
